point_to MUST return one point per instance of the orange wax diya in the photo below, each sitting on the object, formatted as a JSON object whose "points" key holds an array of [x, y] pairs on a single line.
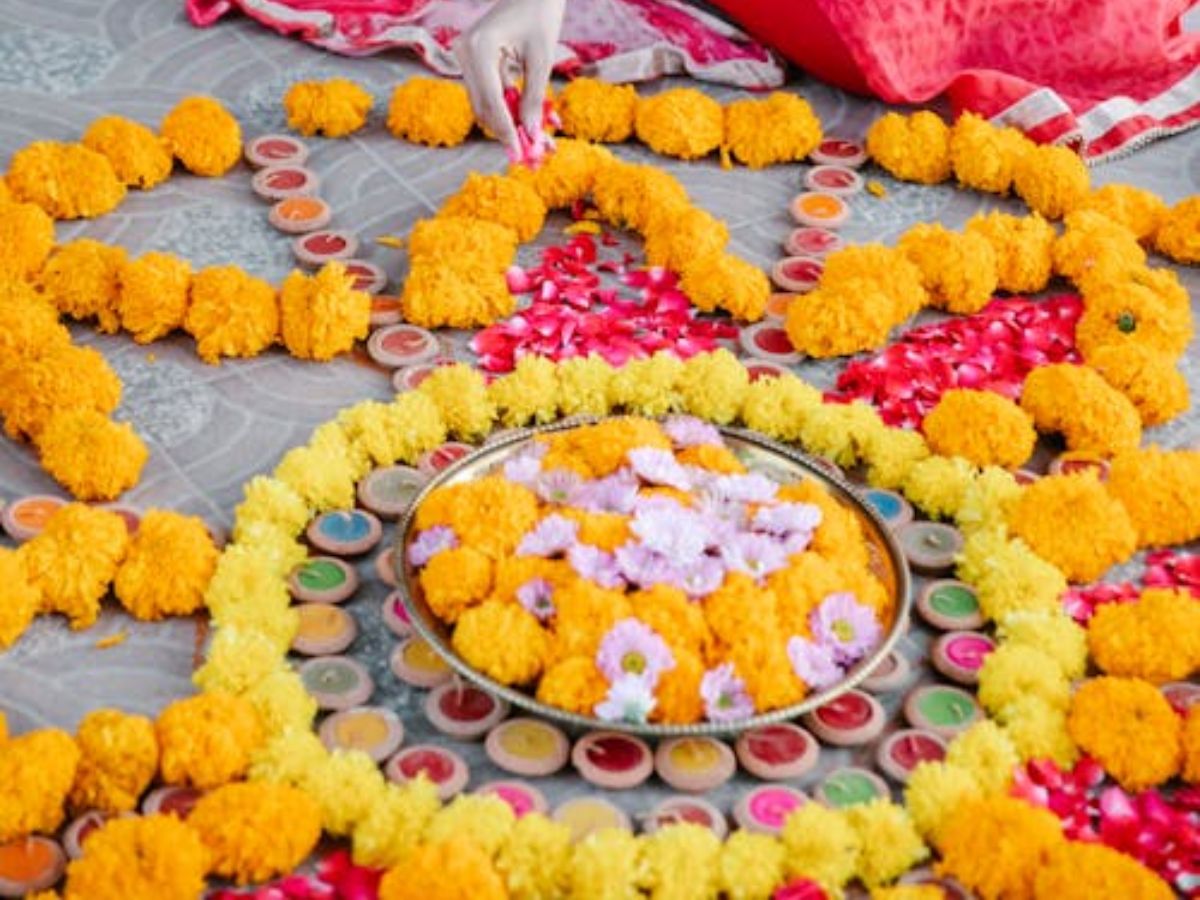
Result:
{"points": [[819, 209], [298, 215], [30, 864]]}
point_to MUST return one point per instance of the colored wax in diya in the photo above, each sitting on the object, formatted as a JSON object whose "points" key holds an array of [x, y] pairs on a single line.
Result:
{"points": [[891, 673], [323, 629], [337, 682], [398, 346], [345, 532], [463, 711], [766, 809], [528, 747], [839, 152], [276, 150], [798, 274], [688, 810], [892, 508], [959, 655], [950, 605], [930, 547], [838, 180], [768, 341], [387, 492], [612, 760], [395, 615], [820, 208], [376, 731], [809, 240], [25, 517], [323, 579], [522, 798], [851, 786], [942, 709], [415, 662], [443, 767], [777, 752], [899, 753], [585, 815], [849, 720], [694, 763], [30, 864], [178, 800]]}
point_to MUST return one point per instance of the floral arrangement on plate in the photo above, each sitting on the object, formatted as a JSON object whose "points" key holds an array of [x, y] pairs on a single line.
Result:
{"points": [[636, 571]]}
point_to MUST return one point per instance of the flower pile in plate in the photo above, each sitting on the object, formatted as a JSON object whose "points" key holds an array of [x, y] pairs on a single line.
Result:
{"points": [[637, 571]]}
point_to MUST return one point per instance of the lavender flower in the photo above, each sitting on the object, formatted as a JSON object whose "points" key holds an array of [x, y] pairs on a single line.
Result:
{"points": [[629, 699], [595, 565], [724, 518], [758, 555], [429, 543], [659, 467], [750, 488], [813, 663], [788, 518], [631, 649], [688, 431], [535, 595], [550, 537], [525, 467], [701, 577], [846, 626], [616, 493], [669, 529], [557, 485], [640, 565], [725, 696]]}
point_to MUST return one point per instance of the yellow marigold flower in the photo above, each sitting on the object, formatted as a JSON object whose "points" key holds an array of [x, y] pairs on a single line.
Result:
{"points": [[203, 136], [713, 386], [1074, 523], [573, 684], [566, 175], [146, 856], [585, 612], [1147, 307], [724, 281], [335, 108], [680, 861], [68, 181], [240, 657], [501, 199], [1023, 246], [934, 791], [484, 820], [1156, 637], [447, 240], [392, 827], [821, 844], [840, 532], [118, 759], [267, 499], [453, 869], [244, 578], [74, 559], [256, 831], [908, 892], [939, 484], [593, 110], [398, 431], [282, 702], [431, 111], [1158, 488], [1178, 235], [986, 503], [777, 407], [678, 235], [232, 313], [982, 427], [144, 588], [760, 659], [1080, 871], [647, 386], [1091, 238], [152, 297], [681, 122], [959, 270], [502, 640], [604, 866], [1149, 379], [464, 295], [1135, 208], [21, 601], [842, 318], [888, 841], [678, 691], [987, 753], [1008, 576], [1051, 180], [841, 432], [779, 128], [739, 608], [751, 866], [288, 758], [37, 769], [456, 580], [911, 148], [207, 740], [527, 394], [628, 195], [1013, 671], [583, 386], [474, 509], [890, 269], [1055, 634], [995, 846], [1130, 728], [800, 588], [1076, 402], [462, 398], [985, 156], [139, 157], [27, 235], [1038, 730], [90, 455], [82, 279], [277, 551], [321, 316], [347, 785], [535, 860]]}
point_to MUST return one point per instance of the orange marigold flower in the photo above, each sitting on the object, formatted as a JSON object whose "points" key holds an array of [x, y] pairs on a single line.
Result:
{"points": [[1130, 728], [761, 661], [335, 108], [68, 181], [1148, 307], [995, 846], [27, 236], [119, 759], [1178, 235], [604, 447], [207, 740], [37, 770], [740, 608], [152, 297], [678, 692], [1136, 208], [1158, 488], [502, 640], [203, 135], [584, 612], [566, 175], [1156, 637], [594, 110], [1082, 871], [670, 613], [21, 601], [453, 870], [842, 318], [514, 571], [1150, 380], [1023, 246], [232, 313], [607, 531], [958, 270], [800, 588], [713, 458], [574, 684], [501, 199], [431, 111], [139, 857], [911, 148], [74, 560], [982, 427], [322, 315], [681, 122], [139, 157], [256, 831], [840, 532], [1091, 238], [448, 240], [90, 455], [679, 235], [779, 128], [1074, 523], [1191, 745], [463, 296], [455, 580], [28, 324], [892, 272], [489, 514], [1052, 180], [150, 593], [1078, 403], [82, 279], [984, 156], [628, 195]]}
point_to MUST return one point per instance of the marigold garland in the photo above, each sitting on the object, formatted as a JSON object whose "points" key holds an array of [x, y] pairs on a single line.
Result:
{"points": [[982, 427], [139, 857], [593, 110], [68, 181], [1130, 728], [1156, 637], [92, 456], [38, 769], [912, 148], [1077, 402], [142, 585], [681, 122], [139, 157], [431, 111], [118, 760], [207, 740], [334, 108], [203, 136], [27, 234]]}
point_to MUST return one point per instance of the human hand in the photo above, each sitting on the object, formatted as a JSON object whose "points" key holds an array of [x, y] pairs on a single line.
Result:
{"points": [[524, 32]]}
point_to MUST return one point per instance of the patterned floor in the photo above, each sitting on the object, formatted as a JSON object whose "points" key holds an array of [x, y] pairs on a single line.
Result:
{"points": [[211, 428]]}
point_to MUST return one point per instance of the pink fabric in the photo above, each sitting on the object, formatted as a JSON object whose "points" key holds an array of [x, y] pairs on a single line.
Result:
{"points": [[619, 40]]}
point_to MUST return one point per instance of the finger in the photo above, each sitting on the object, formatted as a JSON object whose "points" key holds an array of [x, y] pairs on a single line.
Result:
{"points": [[480, 61], [538, 63]]}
